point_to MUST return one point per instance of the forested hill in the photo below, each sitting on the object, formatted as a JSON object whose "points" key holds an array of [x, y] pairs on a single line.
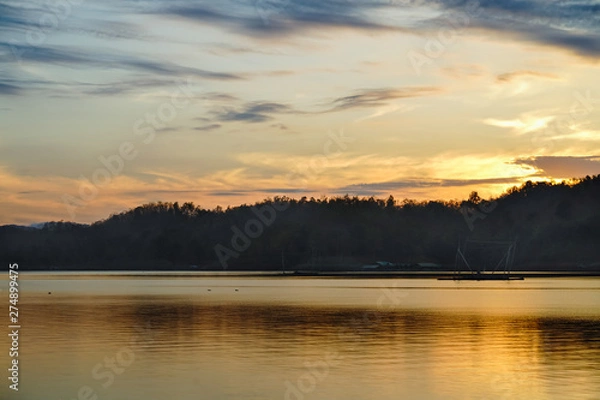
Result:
{"points": [[554, 225]]}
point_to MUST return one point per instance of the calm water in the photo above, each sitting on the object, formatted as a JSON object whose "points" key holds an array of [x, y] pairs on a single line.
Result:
{"points": [[185, 337]]}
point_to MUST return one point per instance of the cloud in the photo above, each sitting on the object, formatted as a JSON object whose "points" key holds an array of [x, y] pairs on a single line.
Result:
{"points": [[391, 108], [8, 89], [378, 97], [148, 73], [522, 125], [109, 30], [15, 18], [465, 71], [580, 135], [169, 129], [114, 88], [71, 56], [207, 128], [250, 112], [281, 127], [563, 167], [224, 49], [262, 111], [123, 87], [271, 18], [231, 116], [216, 96], [382, 188], [264, 190], [510, 76], [35, 21], [264, 107], [253, 112], [571, 25]]}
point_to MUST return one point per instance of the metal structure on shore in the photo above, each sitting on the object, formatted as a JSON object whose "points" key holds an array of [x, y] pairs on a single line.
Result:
{"points": [[485, 260]]}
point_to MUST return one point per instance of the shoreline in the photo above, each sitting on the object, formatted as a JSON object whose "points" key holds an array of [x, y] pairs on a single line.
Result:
{"points": [[445, 275]]}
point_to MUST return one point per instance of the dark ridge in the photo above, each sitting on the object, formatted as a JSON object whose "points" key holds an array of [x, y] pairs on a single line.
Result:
{"points": [[556, 226]]}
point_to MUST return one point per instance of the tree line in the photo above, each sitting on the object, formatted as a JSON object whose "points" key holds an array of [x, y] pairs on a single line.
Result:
{"points": [[556, 225]]}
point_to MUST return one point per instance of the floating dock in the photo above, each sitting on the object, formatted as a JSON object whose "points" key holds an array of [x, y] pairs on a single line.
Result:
{"points": [[482, 277]]}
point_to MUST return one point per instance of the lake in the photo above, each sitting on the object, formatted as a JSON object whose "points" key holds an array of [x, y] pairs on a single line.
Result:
{"points": [[194, 336]]}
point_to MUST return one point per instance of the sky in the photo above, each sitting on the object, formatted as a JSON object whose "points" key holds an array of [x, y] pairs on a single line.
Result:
{"points": [[106, 105]]}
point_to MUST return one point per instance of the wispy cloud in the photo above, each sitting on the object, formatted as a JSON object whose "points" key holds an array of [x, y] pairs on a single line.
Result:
{"points": [[15, 17], [571, 25], [379, 97], [263, 111], [563, 167], [220, 97], [281, 127], [253, 112], [579, 135], [279, 17], [207, 128], [384, 188], [122, 87], [8, 89], [77, 57], [526, 123], [511, 76]]}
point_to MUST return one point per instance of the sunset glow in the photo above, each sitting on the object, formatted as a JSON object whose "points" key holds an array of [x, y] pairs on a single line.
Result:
{"points": [[221, 103]]}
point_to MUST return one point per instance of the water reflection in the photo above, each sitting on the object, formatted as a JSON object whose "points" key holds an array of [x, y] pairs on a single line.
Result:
{"points": [[187, 348]]}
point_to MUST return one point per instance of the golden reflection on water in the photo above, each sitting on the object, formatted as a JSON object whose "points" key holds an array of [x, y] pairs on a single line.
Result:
{"points": [[168, 346]]}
